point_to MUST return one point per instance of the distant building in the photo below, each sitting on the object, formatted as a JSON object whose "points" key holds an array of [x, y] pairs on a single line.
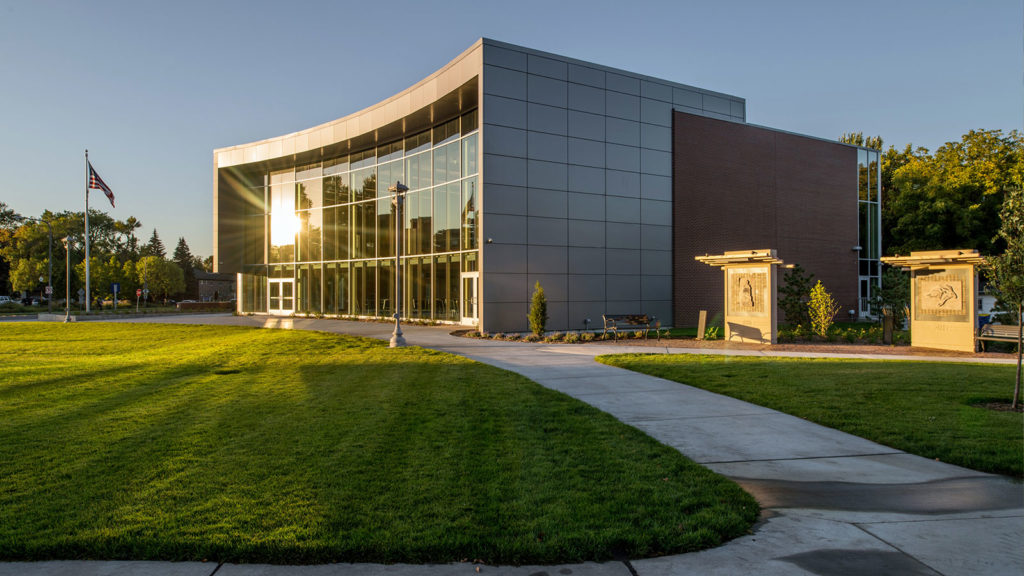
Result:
{"points": [[216, 286], [526, 167]]}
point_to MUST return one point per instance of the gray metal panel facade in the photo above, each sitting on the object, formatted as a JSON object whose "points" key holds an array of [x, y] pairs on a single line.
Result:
{"points": [[576, 186]]}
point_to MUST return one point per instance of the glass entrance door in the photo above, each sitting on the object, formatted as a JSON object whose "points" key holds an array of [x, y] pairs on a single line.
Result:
{"points": [[468, 297], [281, 293]]}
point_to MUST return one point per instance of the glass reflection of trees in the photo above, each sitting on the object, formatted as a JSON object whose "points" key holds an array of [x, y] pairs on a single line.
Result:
{"points": [[337, 229]]}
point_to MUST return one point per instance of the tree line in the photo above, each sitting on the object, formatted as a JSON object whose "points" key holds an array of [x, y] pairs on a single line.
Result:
{"points": [[950, 198], [116, 256], [967, 194]]}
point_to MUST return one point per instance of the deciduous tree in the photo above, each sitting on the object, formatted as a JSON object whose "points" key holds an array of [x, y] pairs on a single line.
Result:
{"points": [[952, 198], [163, 277], [822, 308], [1006, 271]]}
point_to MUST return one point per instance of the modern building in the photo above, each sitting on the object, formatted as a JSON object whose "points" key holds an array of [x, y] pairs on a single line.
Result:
{"points": [[524, 167]]}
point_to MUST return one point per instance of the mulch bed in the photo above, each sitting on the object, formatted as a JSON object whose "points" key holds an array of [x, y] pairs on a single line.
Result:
{"points": [[1002, 407], [813, 347]]}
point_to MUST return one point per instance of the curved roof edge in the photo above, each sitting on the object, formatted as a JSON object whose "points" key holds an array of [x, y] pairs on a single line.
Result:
{"points": [[425, 92]]}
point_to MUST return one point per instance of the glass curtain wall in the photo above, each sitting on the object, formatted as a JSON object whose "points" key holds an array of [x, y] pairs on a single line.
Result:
{"points": [[331, 226], [870, 217]]}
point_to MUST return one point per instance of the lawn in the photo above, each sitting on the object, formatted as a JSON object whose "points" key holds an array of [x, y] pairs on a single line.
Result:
{"points": [[122, 441], [933, 409]]}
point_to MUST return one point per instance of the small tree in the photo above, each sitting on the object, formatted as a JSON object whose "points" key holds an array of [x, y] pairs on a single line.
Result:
{"points": [[1006, 271], [795, 293], [822, 309], [538, 311], [894, 295]]}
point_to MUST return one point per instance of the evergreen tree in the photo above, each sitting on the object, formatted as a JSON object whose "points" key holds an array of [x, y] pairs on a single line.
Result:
{"points": [[155, 247], [794, 295], [538, 311], [187, 262]]}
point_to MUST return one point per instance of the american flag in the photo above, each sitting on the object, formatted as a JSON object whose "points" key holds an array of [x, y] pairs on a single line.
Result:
{"points": [[96, 182]]}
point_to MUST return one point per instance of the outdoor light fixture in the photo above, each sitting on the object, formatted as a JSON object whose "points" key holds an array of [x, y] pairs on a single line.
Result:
{"points": [[857, 248], [67, 279], [399, 191]]}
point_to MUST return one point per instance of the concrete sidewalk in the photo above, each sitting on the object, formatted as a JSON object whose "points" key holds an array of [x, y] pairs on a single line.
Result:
{"points": [[833, 503]]}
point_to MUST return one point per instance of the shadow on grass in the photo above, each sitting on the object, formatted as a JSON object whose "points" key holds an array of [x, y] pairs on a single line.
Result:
{"points": [[327, 453]]}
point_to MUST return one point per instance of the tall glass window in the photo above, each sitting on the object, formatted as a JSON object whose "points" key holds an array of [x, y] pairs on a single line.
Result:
{"points": [[284, 224], [330, 227], [869, 225]]}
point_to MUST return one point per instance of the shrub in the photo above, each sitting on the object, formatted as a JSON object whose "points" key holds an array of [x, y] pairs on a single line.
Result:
{"points": [[894, 296], [572, 337], [822, 309], [711, 333], [794, 295], [587, 336], [538, 311]]}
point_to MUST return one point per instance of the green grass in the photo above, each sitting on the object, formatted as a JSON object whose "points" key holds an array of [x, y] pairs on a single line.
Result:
{"points": [[923, 408], [247, 445]]}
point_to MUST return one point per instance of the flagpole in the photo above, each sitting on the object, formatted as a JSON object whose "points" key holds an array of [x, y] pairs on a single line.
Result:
{"points": [[87, 293]]}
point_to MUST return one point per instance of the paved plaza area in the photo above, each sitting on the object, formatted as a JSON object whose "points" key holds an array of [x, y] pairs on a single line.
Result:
{"points": [[833, 504]]}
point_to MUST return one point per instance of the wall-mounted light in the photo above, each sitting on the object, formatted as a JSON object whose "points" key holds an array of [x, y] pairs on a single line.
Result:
{"points": [[857, 248]]}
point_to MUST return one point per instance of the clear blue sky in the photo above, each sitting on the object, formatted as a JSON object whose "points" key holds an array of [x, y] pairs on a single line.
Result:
{"points": [[151, 88]]}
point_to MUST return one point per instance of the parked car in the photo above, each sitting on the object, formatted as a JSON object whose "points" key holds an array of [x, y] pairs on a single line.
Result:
{"points": [[5, 300]]}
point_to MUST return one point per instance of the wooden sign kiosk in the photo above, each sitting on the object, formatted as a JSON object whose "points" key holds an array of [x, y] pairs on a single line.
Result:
{"points": [[943, 297], [751, 291]]}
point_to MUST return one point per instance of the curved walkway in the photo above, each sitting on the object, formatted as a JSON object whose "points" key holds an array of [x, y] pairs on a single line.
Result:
{"points": [[832, 503]]}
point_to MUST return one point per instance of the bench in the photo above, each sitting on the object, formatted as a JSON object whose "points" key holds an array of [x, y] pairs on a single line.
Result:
{"points": [[997, 333], [612, 323]]}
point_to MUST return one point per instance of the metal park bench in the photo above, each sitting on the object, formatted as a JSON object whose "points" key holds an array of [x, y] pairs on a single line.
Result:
{"points": [[612, 323], [997, 333]]}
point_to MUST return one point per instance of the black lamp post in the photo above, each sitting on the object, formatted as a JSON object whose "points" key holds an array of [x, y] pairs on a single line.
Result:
{"points": [[397, 201], [67, 279]]}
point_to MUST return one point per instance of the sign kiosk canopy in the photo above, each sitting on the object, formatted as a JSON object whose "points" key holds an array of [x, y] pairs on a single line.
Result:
{"points": [[751, 290], [943, 304], [919, 260]]}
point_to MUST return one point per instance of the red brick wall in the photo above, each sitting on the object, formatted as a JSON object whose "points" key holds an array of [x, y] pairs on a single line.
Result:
{"points": [[738, 187]]}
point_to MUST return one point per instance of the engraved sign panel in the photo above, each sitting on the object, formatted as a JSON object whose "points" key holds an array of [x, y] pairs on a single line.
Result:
{"points": [[748, 291], [940, 295]]}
